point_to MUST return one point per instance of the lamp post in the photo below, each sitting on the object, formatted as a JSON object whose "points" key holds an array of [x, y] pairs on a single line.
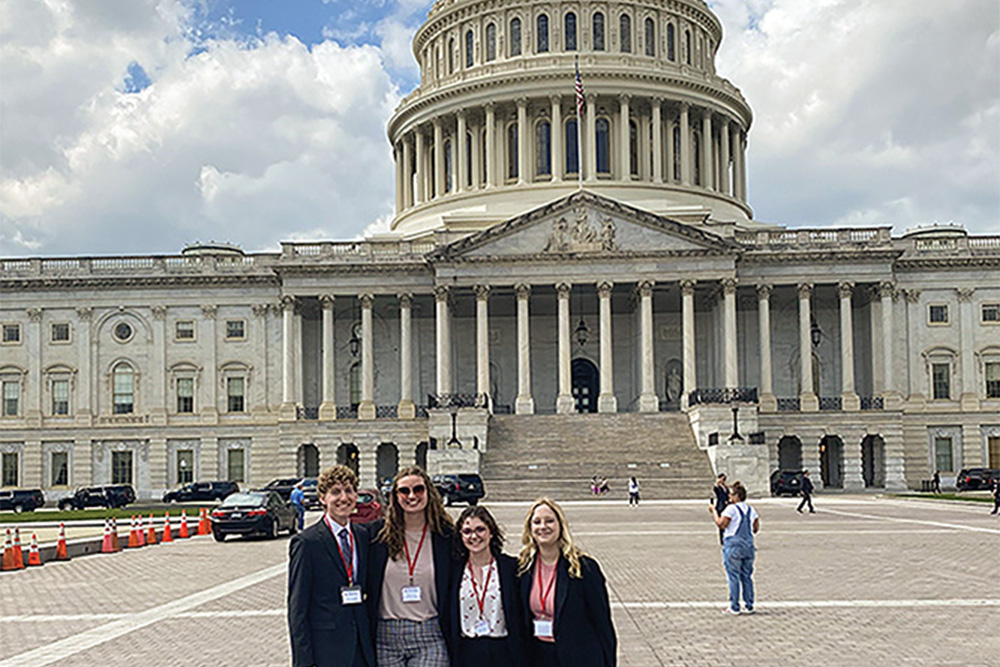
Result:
{"points": [[736, 437], [454, 442]]}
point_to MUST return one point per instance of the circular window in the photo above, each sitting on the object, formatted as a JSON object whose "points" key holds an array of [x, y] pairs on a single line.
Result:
{"points": [[123, 331]]}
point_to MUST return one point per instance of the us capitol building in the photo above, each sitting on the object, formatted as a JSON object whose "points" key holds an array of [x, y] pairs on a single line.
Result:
{"points": [[523, 319]]}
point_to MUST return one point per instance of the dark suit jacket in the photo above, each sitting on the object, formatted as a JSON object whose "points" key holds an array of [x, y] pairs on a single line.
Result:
{"points": [[721, 497], [584, 632], [323, 631], [513, 647]]}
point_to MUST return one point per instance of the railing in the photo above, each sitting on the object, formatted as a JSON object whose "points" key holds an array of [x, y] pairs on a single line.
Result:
{"points": [[872, 403], [347, 412], [789, 405], [439, 401], [361, 249], [729, 395], [831, 403], [308, 413], [669, 406], [386, 411], [503, 409], [757, 438], [76, 267], [816, 237]]}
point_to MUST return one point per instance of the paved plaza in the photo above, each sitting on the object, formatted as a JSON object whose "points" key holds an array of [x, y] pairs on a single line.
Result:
{"points": [[863, 582]]}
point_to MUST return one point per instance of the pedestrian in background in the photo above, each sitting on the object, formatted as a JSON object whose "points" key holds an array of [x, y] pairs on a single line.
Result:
{"points": [[806, 491], [936, 482], [297, 499], [721, 497], [740, 522], [996, 494], [633, 491]]}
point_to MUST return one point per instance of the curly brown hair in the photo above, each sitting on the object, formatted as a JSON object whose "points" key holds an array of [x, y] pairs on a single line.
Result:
{"points": [[338, 474], [440, 522]]}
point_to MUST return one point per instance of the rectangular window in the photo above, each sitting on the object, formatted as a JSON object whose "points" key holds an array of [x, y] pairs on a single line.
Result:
{"points": [[121, 467], [60, 468], [992, 373], [123, 401], [11, 398], [937, 314], [60, 397], [940, 381], [184, 330], [234, 395], [235, 459], [185, 394], [185, 466], [10, 469], [60, 332], [990, 313], [942, 454], [11, 334], [235, 330]]}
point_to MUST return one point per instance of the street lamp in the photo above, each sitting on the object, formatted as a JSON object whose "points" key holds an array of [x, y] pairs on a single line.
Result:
{"points": [[736, 437], [815, 333], [454, 442]]}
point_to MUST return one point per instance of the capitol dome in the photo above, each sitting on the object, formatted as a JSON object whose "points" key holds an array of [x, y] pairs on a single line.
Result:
{"points": [[491, 131]]}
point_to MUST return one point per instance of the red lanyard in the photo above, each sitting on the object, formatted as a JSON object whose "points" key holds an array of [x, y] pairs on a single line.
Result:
{"points": [[481, 601], [412, 564], [544, 592], [349, 560]]}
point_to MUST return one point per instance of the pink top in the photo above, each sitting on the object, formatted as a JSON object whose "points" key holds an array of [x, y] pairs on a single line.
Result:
{"points": [[542, 600]]}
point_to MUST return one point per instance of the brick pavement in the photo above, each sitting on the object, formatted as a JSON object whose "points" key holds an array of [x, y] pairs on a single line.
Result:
{"points": [[863, 581]]}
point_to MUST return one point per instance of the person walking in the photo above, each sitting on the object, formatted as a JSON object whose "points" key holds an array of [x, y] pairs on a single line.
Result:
{"points": [[327, 620], [996, 495], [721, 497], [633, 491], [297, 498], [806, 491], [410, 568], [936, 482], [564, 596], [740, 522], [485, 623]]}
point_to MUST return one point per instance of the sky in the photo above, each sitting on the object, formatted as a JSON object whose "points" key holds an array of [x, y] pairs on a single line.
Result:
{"points": [[140, 126]]}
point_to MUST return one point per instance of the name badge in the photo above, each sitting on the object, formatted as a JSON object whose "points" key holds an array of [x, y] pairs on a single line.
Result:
{"points": [[543, 628], [350, 595], [412, 594], [482, 628]]}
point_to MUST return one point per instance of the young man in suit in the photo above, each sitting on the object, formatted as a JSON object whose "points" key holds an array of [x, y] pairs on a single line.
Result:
{"points": [[327, 619]]}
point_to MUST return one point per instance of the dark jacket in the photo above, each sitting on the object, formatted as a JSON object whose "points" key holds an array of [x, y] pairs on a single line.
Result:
{"points": [[807, 486], [721, 497], [513, 647], [323, 631], [583, 629]]}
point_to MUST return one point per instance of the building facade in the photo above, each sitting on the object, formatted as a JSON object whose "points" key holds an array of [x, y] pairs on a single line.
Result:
{"points": [[530, 270]]}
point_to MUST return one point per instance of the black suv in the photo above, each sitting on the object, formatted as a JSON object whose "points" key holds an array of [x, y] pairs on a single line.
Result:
{"points": [[112, 496], [283, 486], [974, 479], [786, 482], [464, 488], [201, 491], [22, 500]]}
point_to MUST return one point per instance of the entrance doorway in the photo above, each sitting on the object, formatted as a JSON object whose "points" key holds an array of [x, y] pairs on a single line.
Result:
{"points": [[873, 461], [789, 453], [347, 455], [831, 461], [420, 455], [387, 462], [586, 385], [307, 464]]}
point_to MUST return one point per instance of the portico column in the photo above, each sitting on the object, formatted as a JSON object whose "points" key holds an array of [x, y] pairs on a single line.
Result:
{"points": [[648, 400], [564, 401], [668, 174], [406, 408], [685, 131], [625, 138], [741, 153], [397, 155], [524, 404], [606, 401], [366, 408], [706, 150], [288, 352], [768, 402], [483, 341], [890, 394], [489, 156], [443, 323], [558, 159], [687, 326], [729, 331], [724, 158], [328, 408], [407, 185], [460, 151], [439, 184], [522, 141], [421, 168], [808, 400], [657, 141], [848, 397], [589, 157], [967, 324]]}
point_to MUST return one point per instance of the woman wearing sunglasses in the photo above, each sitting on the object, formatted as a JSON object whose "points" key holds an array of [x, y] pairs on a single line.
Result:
{"points": [[563, 595], [411, 558], [484, 619]]}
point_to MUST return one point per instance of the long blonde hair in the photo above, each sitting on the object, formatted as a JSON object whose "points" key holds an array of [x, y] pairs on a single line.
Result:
{"points": [[392, 533], [567, 548]]}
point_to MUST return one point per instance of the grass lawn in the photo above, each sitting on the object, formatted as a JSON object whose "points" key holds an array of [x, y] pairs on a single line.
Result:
{"points": [[99, 513], [944, 496]]}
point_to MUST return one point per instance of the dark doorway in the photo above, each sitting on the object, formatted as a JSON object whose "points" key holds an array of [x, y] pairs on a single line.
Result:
{"points": [[585, 385], [831, 461], [789, 453], [873, 461], [420, 457], [386, 462], [308, 461], [347, 455]]}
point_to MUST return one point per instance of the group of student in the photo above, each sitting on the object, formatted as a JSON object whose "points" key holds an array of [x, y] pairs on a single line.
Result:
{"points": [[417, 589]]}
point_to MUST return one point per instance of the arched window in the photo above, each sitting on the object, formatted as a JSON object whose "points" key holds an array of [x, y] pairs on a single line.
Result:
{"points": [[515, 37], [598, 22], [469, 52], [633, 148], [602, 142], [468, 160], [572, 144], [670, 42], [123, 381], [687, 47], [542, 31], [650, 38], [448, 182], [676, 167], [696, 152], [512, 151], [491, 42], [625, 28], [451, 56], [569, 31], [543, 148]]}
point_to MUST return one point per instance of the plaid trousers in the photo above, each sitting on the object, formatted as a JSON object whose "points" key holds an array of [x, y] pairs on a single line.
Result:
{"points": [[402, 643]]}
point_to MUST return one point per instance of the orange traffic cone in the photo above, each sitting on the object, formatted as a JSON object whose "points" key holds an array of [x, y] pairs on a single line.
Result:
{"points": [[107, 545], [184, 525], [18, 554], [140, 532], [61, 553], [151, 532], [133, 541], [114, 535], [8, 555], [34, 558], [167, 536], [203, 528]]}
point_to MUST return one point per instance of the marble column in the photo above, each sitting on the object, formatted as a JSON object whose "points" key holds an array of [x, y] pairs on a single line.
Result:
{"points": [[891, 398], [706, 150], [443, 337], [732, 378], [31, 388], [558, 157], [366, 408], [848, 396], [809, 401], [589, 157], [668, 174], [288, 353], [483, 341], [625, 137], [742, 155], [407, 173], [768, 402], [648, 400], [564, 401], [460, 151], [685, 131], [967, 325], [406, 408], [724, 185], [657, 123], [397, 155], [328, 407], [523, 173], [687, 327], [491, 145], [439, 182], [606, 401], [524, 404], [421, 167], [84, 394]]}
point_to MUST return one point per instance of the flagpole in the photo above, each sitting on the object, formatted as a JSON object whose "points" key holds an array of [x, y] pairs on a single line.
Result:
{"points": [[579, 124]]}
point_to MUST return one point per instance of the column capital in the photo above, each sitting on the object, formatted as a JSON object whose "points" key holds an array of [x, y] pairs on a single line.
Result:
{"points": [[729, 285], [437, 123], [159, 311], [34, 314], [260, 309], [684, 106], [845, 289], [687, 287], [555, 99], [366, 299], [624, 98], [604, 288], [805, 290], [85, 313], [764, 291], [887, 289], [522, 102], [655, 101], [441, 293], [965, 294], [490, 106], [912, 295], [287, 303], [209, 311], [563, 290], [405, 299], [326, 300], [523, 291], [591, 98], [645, 288], [482, 292], [460, 113]]}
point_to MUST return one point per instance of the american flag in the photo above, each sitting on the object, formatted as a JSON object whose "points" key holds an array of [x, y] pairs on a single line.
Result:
{"points": [[579, 91]]}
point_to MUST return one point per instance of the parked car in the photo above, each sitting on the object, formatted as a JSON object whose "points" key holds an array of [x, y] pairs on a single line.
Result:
{"points": [[253, 512], [310, 496], [369, 507], [786, 482], [463, 488], [974, 479], [21, 500], [282, 486], [201, 491], [111, 496]]}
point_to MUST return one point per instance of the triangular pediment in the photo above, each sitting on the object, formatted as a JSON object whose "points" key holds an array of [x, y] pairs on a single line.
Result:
{"points": [[585, 224]]}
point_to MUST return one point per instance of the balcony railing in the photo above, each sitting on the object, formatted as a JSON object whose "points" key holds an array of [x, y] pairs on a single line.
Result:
{"points": [[724, 396], [789, 404], [872, 403], [347, 412], [831, 403], [445, 401], [307, 413], [386, 411]]}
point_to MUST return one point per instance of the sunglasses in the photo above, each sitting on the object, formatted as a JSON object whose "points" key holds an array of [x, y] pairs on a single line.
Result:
{"points": [[478, 530], [417, 490]]}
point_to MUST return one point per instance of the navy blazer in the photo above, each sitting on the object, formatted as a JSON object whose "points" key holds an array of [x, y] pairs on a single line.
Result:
{"points": [[583, 630], [513, 647], [324, 632]]}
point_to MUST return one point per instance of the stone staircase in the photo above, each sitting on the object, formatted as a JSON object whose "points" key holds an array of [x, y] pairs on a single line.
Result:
{"points": [[557, 455]]}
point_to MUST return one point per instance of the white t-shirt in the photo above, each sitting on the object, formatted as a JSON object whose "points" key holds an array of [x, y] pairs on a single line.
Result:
{"points": [[734, 517], [633, 487]]}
